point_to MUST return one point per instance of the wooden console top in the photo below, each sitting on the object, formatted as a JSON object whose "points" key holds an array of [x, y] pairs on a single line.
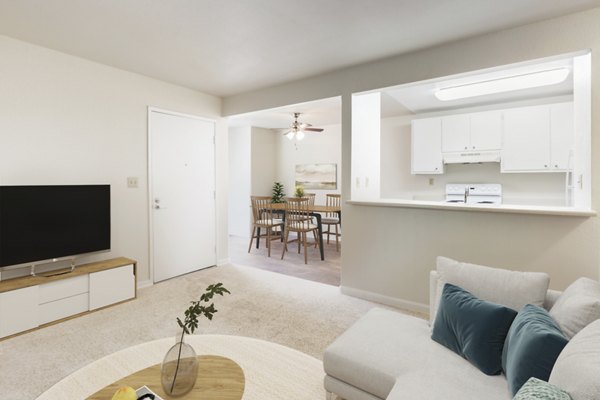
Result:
{"points": [[26, 281]]}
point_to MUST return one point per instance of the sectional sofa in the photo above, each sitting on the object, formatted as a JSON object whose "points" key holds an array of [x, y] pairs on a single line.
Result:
{"points": [[390, 355]]}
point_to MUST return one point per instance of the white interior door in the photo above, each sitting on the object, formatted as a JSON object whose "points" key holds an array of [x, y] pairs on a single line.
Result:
{"points": [[182, 171]]}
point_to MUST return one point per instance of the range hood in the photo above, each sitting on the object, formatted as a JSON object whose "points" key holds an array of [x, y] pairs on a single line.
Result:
{"points": [[471, 157]]}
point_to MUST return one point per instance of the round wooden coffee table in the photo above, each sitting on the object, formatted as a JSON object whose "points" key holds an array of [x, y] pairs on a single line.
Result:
{"points": [[219, 378], [270, 370]]}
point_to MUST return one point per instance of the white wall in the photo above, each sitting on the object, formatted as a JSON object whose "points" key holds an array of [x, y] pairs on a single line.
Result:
{"points": [[263, 162], [315, 148], [393, 264], [239, 180], [66, 120]]}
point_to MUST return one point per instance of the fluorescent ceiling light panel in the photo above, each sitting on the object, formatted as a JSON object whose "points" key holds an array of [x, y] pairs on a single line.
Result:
{"points": [[500, 85]]}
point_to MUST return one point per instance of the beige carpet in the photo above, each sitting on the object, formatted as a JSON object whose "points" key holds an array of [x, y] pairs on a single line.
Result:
{"points": [[297, 313]]}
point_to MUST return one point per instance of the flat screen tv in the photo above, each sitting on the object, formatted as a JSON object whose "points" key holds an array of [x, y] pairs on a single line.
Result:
{"points": [[41, 223]]}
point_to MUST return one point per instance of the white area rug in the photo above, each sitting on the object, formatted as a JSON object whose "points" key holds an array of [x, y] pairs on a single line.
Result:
{"points": [[271, 371], [300, 314]]}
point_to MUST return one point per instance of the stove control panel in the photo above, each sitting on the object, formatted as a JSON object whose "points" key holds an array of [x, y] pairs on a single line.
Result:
{"points": [[475, 189]]}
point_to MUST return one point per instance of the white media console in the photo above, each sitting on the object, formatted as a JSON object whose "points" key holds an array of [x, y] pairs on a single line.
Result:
{"points": [[35, 301]]}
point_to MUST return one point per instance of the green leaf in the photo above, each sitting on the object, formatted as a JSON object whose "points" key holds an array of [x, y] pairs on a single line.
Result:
{"points": [[195, 310]]}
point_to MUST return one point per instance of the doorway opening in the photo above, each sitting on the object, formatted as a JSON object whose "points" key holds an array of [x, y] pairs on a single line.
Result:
{"points": [[275, 146]]}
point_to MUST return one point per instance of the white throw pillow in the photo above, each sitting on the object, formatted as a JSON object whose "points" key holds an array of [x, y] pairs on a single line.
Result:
{"points": [[512, 289], [577, 368], [577, 306]]}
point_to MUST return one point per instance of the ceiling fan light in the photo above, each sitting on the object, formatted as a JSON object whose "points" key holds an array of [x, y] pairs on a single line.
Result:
{"points": [[299, 135], [290, 135], [501, 85]]}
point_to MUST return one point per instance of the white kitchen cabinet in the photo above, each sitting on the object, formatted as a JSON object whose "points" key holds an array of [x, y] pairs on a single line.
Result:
{"points": [[486, 130], [562, 136], [472, 132], [426, 146], [456, 133], [538, 138]]}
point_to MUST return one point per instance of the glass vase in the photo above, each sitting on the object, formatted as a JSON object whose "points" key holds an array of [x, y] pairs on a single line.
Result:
{"points": [[179, 369]]}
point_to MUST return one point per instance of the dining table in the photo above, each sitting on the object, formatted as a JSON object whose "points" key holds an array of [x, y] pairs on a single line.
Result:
{"points": [[315, 211]]}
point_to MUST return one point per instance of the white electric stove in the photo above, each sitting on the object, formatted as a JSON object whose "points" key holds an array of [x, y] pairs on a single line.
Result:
{"points": [[474, 193]]}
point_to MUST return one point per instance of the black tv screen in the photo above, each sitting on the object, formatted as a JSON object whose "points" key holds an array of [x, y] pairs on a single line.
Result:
{"points": [[39, 223]]}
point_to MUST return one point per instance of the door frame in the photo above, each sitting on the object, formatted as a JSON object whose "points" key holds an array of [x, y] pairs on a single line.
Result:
{"points": [[152, 109]]}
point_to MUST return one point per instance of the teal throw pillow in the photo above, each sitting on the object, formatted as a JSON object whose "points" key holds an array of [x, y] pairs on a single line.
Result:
{"points": [[474, 329], [535, 389], [532, 347]]}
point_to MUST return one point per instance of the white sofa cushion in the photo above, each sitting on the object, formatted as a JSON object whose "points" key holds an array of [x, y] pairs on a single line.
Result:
{"points": [[512, 289], [387, 349], [577, 368], [577, 306]]}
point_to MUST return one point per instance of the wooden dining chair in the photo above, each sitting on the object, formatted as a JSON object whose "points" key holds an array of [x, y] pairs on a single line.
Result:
{"points": [[333, 219], [263, 218], [298, 220]]}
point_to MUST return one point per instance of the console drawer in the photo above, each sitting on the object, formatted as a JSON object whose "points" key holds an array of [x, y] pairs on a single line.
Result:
{"points": [[63, 308], [63, 288]]}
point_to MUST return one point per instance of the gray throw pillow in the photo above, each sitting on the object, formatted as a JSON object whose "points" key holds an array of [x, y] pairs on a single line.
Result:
{"points": [[577, 306], [512, 289], [577, 368]]}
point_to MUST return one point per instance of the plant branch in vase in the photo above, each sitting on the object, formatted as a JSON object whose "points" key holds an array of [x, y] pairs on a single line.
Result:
{"points": [[189, 325]]}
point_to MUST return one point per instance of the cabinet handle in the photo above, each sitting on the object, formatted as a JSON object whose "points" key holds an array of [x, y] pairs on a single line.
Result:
{"points": [[473, 147], [556, 166], [545, 165], [466, 147]]}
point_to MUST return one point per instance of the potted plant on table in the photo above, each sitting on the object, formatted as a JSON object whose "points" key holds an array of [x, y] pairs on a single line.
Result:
{"points": [[278, 193], [179, 369], [299, 191]]}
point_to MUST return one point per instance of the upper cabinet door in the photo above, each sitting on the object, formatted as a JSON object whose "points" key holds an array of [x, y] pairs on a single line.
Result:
{"points": [[562, 136], [486, 130], [456, 132], [426, 139], [526, 144]]}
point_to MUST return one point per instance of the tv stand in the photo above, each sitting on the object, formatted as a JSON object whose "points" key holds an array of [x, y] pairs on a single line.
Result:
{"points": [[36, 301]]}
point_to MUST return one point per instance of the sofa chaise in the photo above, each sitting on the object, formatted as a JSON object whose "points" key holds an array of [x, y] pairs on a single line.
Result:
{"points": [[390, 355]]}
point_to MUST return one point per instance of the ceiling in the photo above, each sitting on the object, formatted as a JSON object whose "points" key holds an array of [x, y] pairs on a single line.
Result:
{"points": [[317, 113], [225, 47]]}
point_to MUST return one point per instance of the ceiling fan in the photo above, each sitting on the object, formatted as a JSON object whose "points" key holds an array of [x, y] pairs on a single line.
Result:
{"points": [[298, 128]]}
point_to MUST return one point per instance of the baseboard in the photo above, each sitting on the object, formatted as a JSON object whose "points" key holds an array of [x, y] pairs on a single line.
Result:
{"points": [[223, 261], [144, 284], [387, 300]]}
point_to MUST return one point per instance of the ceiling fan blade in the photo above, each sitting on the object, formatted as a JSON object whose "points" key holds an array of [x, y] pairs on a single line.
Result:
{"points": [[304, 125], [285, 131], [313, 129]]}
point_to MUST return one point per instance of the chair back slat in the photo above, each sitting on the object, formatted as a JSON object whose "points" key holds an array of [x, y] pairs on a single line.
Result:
{"points": [[333, 200], [261, 209], [297, 214]]}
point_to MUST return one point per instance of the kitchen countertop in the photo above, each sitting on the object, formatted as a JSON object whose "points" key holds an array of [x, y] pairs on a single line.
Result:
{"points": [[498, 208]]}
